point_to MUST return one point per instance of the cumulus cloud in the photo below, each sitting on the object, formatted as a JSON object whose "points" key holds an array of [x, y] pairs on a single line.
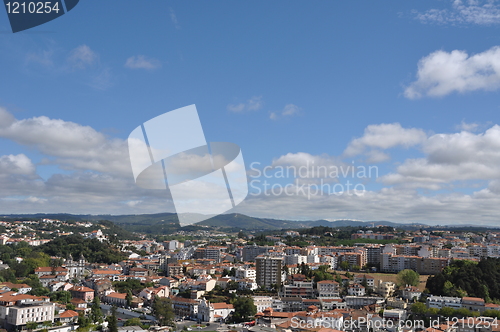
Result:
{"points": [[142, 62], [253, 104], [74, 146], [465, 126], [449, 158], [384, 136], [442, 73], [288, 111], [463, 12]]}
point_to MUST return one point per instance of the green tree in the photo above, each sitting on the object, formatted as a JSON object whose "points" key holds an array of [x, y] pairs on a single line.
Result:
{"points": [[244, 308], [447, 312], [83, 321], [31, 325], [163, 311], [136, 321], [112, 321], [129, 298], [344, 265], [419, 308], [408, 277], [95, 311]]}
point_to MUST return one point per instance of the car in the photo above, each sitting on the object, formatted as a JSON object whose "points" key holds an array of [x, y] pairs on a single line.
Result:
{"points": [[189, 329]]}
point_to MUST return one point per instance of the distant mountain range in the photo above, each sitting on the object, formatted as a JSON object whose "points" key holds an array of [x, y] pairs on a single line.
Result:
{"points": [[165, 223]]}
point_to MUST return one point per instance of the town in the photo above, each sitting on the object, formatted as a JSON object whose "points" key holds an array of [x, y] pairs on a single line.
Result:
{"points": [[60, 276]]}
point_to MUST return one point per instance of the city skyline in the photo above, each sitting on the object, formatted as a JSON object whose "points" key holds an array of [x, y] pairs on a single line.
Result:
{"points": [[409, 89]]}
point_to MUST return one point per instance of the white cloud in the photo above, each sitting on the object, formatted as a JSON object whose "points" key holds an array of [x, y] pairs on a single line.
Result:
{"points": [[142, 62], [74, 146], [44, 58], [288, 111], [450, 158], [16, 165], [472, 127], [442, 73], [82, 57], [174, 19], [253, 104], [463, 12], [384, 136]]}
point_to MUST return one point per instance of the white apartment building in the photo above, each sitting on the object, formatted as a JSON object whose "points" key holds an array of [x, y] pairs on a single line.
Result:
{"points": [[444, 301], [246, 273], [328, 289], [262, 302], [26, 312]]}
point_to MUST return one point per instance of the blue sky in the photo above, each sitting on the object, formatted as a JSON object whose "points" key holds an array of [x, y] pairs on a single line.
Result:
{"points": [[410, 87]]}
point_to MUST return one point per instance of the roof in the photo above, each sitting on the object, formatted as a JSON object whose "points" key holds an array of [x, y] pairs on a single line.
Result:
{"points": [[81, 289], [105, 272], [50, 269], [221, 306], [68, 314], [117, 295], [475, 299]]}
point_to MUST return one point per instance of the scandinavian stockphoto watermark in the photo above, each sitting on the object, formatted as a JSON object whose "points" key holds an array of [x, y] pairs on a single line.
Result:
{"points": [[25, 15], [310, 180], [169, 152]]}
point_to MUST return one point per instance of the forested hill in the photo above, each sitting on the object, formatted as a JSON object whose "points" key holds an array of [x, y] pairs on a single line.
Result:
{"points": [[468, 278]]}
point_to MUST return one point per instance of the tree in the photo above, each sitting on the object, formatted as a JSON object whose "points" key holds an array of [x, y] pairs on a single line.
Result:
{"points": [[95, 311], [408, 277], [419, 308], [129, 298], [446, 311], [112, 321], [344, 265], [244, 308], [31, 325], [136, 321], [163, 311], [83, 321]]}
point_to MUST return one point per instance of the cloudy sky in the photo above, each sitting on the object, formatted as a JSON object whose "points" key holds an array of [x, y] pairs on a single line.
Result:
{"points": [[407, 89]]}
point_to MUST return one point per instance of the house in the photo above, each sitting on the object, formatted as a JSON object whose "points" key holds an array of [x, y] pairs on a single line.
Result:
{"points": [[185, 307], [47, 279], [110, 274], [212, 312], [82, 292], [68, 316], [328, 289], [80, 305], [21, 288], [169, 281], [138, 272], [117, 299], [149, 293], [410, 293], [356, 290], [370, 281], [47, 270]]}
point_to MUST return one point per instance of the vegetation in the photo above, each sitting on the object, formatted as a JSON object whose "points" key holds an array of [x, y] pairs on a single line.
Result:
{"points": [[468, 278], [112, 321], [408, 277], [163, 311], [96, 315], [244, 309]]}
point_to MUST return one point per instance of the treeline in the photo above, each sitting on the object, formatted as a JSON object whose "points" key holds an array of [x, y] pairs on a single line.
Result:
{"points": [[33, 257], [76, 245], [468, 278]]}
